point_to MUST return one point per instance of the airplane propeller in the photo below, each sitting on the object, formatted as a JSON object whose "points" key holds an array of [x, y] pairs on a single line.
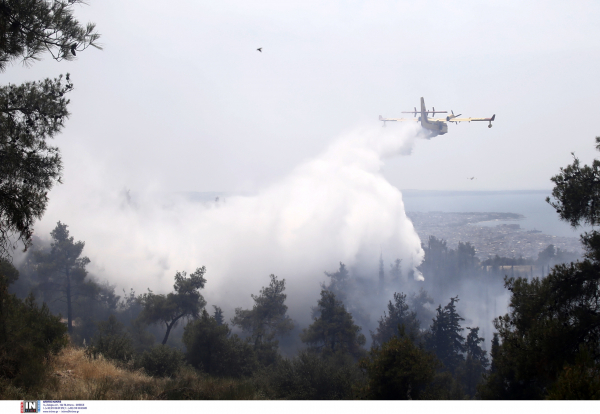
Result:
{"points": [[453, 116]]}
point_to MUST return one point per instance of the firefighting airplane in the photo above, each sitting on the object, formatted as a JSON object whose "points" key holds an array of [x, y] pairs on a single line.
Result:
{"points": [[435, 126]]}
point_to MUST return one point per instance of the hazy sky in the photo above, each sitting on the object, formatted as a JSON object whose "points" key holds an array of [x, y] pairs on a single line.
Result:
{"points": [[180, 100]]}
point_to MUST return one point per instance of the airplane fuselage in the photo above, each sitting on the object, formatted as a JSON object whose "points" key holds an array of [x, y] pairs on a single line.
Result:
{"points": [[435, 127]]}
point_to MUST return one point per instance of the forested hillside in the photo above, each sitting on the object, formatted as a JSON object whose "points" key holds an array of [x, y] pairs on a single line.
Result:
{"points": [[384, 333]]}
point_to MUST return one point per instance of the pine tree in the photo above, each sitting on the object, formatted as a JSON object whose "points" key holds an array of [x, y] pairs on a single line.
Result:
{"points": [[34, 112], [396, 272], [63, 271], [421, 303], [266, 321], [553, 321], [476, 362], [339, 283], [212, 348], [333, 331], [399, 370], [185, 302], [398, 315], [444, 337], [218, 315], [30, 28]]}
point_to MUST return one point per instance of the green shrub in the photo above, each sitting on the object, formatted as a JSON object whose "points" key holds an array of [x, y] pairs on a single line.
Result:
{"points": [[161, 361], [29, 336], [211, 349], [311, 376], [402, 370], [111, 341], [578, 381]]}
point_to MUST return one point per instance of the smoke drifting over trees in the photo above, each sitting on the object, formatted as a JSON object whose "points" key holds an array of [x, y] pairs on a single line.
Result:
{"points": [[337, 207], [352, 275]]}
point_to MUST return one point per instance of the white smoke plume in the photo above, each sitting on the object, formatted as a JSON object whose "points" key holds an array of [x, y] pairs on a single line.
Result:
{"points": [[335, 208]]}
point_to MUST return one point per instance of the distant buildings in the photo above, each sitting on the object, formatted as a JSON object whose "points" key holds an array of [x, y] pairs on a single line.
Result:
{"points": [[507, 240]]}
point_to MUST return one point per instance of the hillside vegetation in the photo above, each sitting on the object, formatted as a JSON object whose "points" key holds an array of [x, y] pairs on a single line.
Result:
{"points": [[74, 376]]}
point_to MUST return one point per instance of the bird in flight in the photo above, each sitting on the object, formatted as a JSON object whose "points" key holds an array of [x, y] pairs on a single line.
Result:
{"points": [[259, 49], [470, 178]]}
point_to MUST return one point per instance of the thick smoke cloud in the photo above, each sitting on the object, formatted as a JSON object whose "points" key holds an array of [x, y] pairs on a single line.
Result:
{"points": [[335, 207]]}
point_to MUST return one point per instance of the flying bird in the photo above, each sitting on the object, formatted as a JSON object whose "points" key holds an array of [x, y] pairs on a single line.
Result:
{"points": [[470, 178], [259, 49]]}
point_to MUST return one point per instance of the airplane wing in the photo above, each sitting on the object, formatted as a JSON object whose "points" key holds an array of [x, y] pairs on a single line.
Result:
{"points": [[471, 119], [397, 119]]}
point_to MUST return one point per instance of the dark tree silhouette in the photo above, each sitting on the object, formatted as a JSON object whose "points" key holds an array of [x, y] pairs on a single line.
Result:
{"points": [[34, 112], [333, 331], [62, 271], [185, 302], [30, 28], [398, 315]]}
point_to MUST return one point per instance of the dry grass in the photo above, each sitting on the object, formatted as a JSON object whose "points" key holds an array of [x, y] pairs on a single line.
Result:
{"points": [[75, 377], [81, 378]]}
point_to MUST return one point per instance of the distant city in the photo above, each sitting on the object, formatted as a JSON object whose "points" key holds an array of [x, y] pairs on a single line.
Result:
{"points": [[489, 239], [490, 233]]}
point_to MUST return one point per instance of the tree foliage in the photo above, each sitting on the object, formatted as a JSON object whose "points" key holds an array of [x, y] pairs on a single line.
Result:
{"points": [[476, 362], [578, 381], [160, 361], [29, 28], [399, 370], [333, 330], [448, 266], [310, 376], [211, 348], [185, 302], [111, 341], [548, 321], [398, 315], [218, 315], [30, 114], [339, 283], [267, 319], [29, 336], [396, 271], [577, 192], [444, 338], [8, 271], [62, 271], [349, 290], [422, 304], [552, 330]]}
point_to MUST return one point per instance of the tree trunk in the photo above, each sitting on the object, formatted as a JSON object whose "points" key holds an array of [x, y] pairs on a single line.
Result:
{"points": [[69, 309], [169, 326]]}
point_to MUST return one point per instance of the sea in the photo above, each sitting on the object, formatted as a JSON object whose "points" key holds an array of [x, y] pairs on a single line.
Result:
{"points": [[539, 215]]}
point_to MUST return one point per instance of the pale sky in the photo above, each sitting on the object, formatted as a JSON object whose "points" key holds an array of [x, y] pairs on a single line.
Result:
{"points": [[180, 100]]}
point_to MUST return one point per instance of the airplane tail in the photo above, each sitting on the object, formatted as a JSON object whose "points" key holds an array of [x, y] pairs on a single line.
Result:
{"points": [[423, 112]]}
